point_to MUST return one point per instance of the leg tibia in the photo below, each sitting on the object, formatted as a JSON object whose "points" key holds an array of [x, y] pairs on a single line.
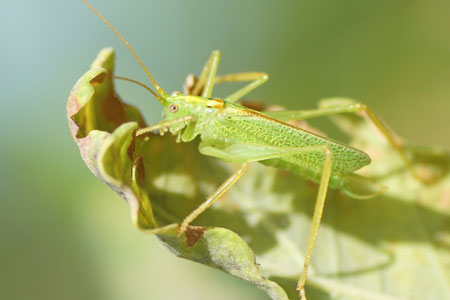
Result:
{"points": [[317, 217], [212, 198], [163, 126], [207, 78]]}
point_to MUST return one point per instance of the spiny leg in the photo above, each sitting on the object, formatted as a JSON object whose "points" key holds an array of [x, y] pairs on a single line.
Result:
{"points": [[212, 198], [207, 78], [317, 217], [162, 125], [338, 106]]}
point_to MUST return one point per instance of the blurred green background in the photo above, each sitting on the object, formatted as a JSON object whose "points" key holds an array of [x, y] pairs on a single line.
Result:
{"points": [[65, 234]]}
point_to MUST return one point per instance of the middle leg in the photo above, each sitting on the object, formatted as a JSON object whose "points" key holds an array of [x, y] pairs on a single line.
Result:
{"points": [[205, 83], [212, 198]]}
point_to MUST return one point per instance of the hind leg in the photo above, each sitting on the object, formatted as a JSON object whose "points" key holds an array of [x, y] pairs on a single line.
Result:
{"points": [[343, 105]]}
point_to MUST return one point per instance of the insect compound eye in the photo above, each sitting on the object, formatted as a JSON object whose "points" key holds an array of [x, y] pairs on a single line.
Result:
{"points": [[173, 108]]}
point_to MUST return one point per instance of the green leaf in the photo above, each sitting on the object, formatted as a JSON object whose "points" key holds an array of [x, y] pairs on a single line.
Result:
{"points": [[390, 247]]}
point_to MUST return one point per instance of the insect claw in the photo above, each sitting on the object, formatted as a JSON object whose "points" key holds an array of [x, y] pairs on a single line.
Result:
{"points": [[302, 293], [180, 230]]}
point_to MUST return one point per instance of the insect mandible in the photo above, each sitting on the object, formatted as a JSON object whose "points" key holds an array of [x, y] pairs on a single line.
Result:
{"points": [[237, 134]]}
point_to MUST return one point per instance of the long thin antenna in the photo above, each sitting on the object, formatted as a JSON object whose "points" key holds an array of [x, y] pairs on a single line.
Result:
{"points": [[138, 83], [160, 91]]}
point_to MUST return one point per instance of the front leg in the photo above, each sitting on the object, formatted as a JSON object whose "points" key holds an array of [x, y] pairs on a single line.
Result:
{"points": [[162, 126]]}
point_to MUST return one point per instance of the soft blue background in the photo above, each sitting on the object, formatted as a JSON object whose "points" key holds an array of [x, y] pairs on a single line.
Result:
{"points": [[65, 235]]}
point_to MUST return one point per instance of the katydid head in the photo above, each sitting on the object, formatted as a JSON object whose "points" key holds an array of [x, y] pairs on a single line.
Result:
{"points": [[188, 109]]}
